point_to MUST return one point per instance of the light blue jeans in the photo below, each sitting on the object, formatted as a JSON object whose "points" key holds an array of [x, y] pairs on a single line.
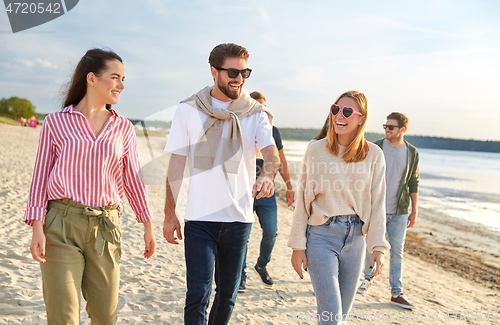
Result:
{"points": [[396, 233], [335, 252]]}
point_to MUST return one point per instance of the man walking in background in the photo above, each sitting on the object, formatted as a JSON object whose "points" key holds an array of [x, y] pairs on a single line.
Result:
{"points": [[402, 177], [267, 210], [218, 128]]}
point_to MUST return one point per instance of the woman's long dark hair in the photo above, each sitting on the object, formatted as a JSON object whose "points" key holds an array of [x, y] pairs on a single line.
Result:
{"points": [[95, 61], [324, 130]]}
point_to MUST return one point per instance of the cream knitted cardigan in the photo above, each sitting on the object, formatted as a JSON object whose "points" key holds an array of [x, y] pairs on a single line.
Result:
{"points": [[328, 186]]}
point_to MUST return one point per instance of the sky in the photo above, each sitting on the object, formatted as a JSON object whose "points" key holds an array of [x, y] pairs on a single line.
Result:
{"points": [[437, 61]]}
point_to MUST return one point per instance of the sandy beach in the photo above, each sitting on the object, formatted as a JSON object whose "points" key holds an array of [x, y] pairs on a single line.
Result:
{"points": [[451, 267]]}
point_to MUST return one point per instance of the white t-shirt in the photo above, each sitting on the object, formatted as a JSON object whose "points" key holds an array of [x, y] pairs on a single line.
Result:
{"points": [[212, 194]]}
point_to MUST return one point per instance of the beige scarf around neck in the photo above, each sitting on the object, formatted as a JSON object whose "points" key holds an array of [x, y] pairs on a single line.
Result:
{"points": [[205, 149]]}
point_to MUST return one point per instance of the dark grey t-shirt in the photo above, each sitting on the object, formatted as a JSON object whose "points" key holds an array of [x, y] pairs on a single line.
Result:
{"points": [[279, 145], [395, 162]]}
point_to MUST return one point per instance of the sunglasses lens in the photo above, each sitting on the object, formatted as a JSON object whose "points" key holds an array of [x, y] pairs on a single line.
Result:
{"points": [[335, 109], [246, 73], [232, 73], [347, 112]]}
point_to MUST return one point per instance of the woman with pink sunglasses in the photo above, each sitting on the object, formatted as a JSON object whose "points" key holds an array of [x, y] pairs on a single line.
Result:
{"points": [[340, 209]]}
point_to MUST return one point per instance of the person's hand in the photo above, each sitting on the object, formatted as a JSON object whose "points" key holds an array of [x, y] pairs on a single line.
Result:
{"points": [[37, 247], [171, 228], [377, 262], [412, 219], [264, 185], [149, 239], [299, 260], [289, 197]]}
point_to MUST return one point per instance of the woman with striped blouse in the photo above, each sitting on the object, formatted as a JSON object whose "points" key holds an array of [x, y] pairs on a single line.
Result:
{"points": [[87, 159]]}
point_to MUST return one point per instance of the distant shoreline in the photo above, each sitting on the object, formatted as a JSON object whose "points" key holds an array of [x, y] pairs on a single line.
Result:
{"points": [[416, 140], [160, 128]]}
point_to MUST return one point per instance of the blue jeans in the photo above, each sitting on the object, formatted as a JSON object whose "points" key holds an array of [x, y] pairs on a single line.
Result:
{"points": [[396, 233], [267, 211], [334, 260], [206, 244]]}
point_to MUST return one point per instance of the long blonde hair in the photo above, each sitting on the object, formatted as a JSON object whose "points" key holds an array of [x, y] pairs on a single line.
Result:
{"points": [[358, 149]]}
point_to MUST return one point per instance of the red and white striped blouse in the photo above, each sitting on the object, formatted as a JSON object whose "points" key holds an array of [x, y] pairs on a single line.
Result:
{"points": [[73, 163]]}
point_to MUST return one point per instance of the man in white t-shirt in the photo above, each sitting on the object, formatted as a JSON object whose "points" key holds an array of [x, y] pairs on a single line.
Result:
{"points": [[218, 129]]}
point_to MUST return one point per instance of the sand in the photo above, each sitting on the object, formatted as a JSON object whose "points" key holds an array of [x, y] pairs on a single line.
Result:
{"points": [[450, 265]]}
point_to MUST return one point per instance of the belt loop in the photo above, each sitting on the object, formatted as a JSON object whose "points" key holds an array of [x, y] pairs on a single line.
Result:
{"points": [[66, 210]]}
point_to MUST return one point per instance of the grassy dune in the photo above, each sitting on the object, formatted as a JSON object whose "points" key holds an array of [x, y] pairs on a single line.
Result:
{"points": [[8, 120]]}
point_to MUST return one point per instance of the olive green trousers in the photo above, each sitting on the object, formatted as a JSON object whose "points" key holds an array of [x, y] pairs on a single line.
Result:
{"points": [[82, 255]]}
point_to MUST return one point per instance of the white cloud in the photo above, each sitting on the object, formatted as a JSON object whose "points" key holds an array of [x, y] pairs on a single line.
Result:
{"points": [[35, 63], [45, 64]]}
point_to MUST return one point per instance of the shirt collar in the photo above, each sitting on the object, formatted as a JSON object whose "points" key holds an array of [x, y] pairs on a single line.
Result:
{"points": [[71, 109]]}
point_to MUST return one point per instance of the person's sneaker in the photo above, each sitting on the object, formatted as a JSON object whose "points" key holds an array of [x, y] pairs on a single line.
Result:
{"points": [[402, 301], [242, 286], [365, 286], [264, 275]]}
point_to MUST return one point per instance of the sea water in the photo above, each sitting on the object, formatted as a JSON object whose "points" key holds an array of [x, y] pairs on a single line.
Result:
{"points": [[458, 184]]}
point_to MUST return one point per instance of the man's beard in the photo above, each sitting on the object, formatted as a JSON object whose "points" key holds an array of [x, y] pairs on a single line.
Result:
{"points": [[224, 88]]}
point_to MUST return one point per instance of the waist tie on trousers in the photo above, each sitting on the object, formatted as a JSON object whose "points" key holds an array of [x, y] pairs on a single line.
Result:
{"points": [[104, 229]]}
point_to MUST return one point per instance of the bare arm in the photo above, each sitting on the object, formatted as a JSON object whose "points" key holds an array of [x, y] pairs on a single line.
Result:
{"points": [[265, 182], [149, 239], [175, 174], [299, 262], [37, 246], [377, 261], [286, 177], [412, 218]]}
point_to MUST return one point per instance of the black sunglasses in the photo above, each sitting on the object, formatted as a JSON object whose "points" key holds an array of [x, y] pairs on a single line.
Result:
{"points": [[390, 127], [233, 73]]}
